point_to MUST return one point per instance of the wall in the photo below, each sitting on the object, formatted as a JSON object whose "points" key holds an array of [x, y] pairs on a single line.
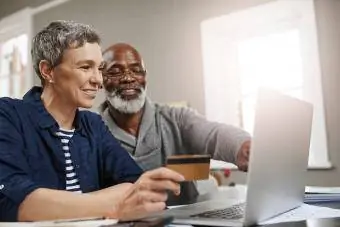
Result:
{"points": [[328, 17], [15, 5], [167, 32]]}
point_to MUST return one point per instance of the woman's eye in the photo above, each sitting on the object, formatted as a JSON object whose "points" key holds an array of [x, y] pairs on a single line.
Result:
{"points": [[85, 67]]}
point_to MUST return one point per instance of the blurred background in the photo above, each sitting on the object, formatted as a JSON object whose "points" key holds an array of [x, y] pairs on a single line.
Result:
{"points": [[212, 55]]}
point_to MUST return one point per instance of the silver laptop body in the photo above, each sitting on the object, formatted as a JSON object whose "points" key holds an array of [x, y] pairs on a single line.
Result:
{"points": [[277, 167]]}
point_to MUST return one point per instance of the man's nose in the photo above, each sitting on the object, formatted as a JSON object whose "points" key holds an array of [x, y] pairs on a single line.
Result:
{"points": [[128, 76]]}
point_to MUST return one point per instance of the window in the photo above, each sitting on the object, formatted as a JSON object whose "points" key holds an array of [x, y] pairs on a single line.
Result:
{"points": [[271, 61], [15, 76], [272, 45], [13, 60]]}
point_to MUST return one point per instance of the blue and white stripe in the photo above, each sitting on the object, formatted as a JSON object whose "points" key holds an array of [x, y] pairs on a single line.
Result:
{"points": [[72, 181]]}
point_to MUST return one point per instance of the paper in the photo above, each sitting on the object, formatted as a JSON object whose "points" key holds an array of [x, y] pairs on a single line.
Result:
{"points": [[321, 198], [178, 225], [329, 190], [73, 223], [322, 194], [88, 223], [304, 212], [16, 224], [221, 165]]}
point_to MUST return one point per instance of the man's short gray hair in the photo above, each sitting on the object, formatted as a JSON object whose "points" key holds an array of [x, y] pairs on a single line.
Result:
{"points": [[51, 42]]}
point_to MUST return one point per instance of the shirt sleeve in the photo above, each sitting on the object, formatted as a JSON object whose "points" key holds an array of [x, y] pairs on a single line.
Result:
{"points": [[118, 162], [15, 182], [221, 141]]}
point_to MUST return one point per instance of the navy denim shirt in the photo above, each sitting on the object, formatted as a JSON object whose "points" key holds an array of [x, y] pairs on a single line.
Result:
{"points": [[31, 156]]}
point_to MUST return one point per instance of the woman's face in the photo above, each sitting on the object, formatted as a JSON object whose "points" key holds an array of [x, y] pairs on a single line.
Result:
{"points": [[78, 77]]}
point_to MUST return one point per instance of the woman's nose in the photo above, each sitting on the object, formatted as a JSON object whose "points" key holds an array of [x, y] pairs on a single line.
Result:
{"points": [[97, 77]]}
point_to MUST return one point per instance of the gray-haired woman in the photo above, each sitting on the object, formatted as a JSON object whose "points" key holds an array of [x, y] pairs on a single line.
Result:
{"points": [[59, 162]]}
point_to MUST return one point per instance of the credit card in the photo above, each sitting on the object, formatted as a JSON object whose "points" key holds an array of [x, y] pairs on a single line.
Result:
{"points": [[192, 167]]}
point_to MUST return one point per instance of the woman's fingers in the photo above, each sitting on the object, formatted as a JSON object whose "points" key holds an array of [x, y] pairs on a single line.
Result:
{"points": [[150, 196], [164, 173], [160, 179], [159, 185], [142, 210], [140, 204], [154, 207]]}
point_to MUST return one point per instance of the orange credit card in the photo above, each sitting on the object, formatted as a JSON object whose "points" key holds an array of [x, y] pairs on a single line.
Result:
{"points": [[192, 167]]}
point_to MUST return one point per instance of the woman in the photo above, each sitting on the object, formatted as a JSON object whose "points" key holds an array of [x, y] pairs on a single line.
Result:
{"points": [[59, 162]]}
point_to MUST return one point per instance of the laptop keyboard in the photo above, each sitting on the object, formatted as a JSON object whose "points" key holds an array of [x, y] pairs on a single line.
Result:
{"points": [[233, 212]]}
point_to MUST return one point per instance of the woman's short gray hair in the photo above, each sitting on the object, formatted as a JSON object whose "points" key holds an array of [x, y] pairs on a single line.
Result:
{"points": [[51, 42]]}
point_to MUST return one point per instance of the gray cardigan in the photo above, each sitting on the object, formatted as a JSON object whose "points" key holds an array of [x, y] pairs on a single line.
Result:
{"points": [[166, 131]]}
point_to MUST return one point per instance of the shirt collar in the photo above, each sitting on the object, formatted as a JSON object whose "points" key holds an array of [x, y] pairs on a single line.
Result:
{"points": [[148, 118], [44, 118], [146, 122]]}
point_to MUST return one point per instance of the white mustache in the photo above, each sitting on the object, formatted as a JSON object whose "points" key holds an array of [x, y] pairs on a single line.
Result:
{"points": [[126, 106]]}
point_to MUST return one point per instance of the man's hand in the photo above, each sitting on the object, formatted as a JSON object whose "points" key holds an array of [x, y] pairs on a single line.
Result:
{"points": [[242, 158], [148, 194]]}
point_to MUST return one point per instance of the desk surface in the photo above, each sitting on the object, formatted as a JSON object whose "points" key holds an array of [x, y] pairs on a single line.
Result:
{"points": [[329, 222], [233, 193], [239, 192]]}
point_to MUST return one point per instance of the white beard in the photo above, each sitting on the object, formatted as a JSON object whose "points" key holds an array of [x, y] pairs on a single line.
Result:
{"points": [[126, 106]]}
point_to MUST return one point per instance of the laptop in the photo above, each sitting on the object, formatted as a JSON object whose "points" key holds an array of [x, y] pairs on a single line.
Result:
{"points": [[277, 167]]}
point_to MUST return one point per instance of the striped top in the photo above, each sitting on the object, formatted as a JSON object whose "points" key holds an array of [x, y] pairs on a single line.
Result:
{"points": [[72, 181]]}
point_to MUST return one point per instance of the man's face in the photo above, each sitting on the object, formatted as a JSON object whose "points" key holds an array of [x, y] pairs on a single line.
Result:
{"points": [[124, 80], [78, 77]]}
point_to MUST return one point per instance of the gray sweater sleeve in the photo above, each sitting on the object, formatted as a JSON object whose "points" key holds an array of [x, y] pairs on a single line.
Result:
{"points": [[221, 141]]}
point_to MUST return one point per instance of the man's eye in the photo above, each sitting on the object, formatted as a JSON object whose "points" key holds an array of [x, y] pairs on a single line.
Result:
{"points": [[136, 69], [115, 70]]}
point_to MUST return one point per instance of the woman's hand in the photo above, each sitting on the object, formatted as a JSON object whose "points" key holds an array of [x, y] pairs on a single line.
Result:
{"points": [[147, 195]]}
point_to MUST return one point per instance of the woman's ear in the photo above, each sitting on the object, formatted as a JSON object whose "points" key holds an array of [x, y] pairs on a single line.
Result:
{"points": [[46, 71]]}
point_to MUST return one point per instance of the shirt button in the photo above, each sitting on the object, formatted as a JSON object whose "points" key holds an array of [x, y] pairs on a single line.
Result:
{"points": [[77, 166], [2, 186]]}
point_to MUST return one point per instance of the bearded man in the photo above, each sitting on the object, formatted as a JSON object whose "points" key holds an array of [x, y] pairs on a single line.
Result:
{"points": [[152, 132]]}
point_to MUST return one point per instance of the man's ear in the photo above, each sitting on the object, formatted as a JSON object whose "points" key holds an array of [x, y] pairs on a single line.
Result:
{"points": [[46, 71]]}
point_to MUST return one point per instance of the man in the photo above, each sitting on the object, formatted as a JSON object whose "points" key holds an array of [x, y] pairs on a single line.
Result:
{"points": [[151, 132], [57, 161]]}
